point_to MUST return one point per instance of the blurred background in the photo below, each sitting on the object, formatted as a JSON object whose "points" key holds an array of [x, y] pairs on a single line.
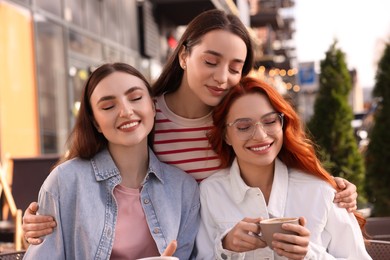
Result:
{"points": [[48, 48]]}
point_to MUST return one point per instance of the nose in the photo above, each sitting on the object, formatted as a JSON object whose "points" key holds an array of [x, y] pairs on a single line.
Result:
{"points": [[126, 110], [221, 75], [259, 132]]}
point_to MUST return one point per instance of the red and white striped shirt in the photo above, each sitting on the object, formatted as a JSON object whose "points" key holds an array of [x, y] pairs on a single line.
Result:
{"points": [[183, 143]]}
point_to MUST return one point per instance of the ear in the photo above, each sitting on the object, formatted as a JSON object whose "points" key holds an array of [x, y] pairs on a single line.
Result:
{"points": [[154, 108], [227, 140], [96, 125], [183, 54]]}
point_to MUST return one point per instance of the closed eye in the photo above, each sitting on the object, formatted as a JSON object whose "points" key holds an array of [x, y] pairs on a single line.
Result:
{"points": [[210, 63], [136, 98], [244, 128], [234, 71], [269, 122], [243, 125], [107, 108]]}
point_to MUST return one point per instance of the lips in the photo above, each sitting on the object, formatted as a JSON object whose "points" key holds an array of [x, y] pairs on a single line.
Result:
{"points": [[216, 91], [260, 148], [128, 125]]}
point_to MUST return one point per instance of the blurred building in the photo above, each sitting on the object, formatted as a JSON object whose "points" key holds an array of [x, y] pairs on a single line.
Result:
{"points": [[49, 47], [308, 80]]}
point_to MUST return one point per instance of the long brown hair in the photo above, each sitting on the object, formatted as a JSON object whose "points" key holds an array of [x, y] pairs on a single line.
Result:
{"points": [[85, 141], [172, 74], [298, 151]]}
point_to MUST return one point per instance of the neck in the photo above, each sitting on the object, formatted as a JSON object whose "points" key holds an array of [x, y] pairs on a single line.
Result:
{"points": [[183, 102], [261, 177], [132, 163]]}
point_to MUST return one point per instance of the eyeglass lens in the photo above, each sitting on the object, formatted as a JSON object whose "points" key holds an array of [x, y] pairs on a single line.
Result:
{"points": [[271, 124]]}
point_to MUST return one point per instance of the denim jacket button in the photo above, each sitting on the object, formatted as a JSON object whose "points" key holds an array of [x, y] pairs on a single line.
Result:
{"points": [[146, 201], [156, 230], [223, 256]]}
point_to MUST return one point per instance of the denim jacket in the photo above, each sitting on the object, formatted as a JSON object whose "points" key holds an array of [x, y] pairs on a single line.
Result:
{"points": [[79, 194]]}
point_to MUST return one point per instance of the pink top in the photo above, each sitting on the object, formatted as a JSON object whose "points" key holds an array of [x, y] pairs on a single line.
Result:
{"points": [[132, 236]]}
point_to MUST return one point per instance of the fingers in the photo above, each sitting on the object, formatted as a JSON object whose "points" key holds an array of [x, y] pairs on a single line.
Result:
{"points": [[36, 226], [292, 246], [38, 223], [302, 221], [243, 236], [347, 197], [340, 182], [33, 241], [171, 249], [293, 254], [34, 237], [32, 208], [244, 242]]}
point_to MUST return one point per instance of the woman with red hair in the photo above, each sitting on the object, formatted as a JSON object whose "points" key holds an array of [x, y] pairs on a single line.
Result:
{"points": [[271, 170]]}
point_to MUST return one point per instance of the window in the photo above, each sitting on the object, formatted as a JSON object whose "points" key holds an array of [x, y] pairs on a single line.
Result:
{"points": [[112, 29], [94, 16], [51, 78], [50, 6], [85, 45], [75, 12]]}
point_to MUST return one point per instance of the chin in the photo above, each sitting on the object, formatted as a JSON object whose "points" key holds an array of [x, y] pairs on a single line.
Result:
{"points": [[213, 101]]}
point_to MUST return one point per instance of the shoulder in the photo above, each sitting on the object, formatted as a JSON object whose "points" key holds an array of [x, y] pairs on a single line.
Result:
{"points": [[72, 166], [66, 177], [310, 183], [220, 178], [69, 170]]}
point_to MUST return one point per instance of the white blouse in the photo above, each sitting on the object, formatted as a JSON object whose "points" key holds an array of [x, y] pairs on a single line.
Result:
{"points": [[226, 200]]}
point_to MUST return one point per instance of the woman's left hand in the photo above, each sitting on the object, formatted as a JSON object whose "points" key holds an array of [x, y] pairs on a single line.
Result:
{"points": [[293, 246], [346, 198]]}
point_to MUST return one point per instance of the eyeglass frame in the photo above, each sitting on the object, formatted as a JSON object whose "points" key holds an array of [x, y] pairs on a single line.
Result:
{"points": [[280, 115]]}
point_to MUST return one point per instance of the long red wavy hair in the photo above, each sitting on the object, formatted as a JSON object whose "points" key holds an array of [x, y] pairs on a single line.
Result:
{"points": [[297, 151]]}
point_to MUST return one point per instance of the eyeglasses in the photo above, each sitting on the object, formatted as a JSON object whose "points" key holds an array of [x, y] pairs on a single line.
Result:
{"points": [[245, 128]]}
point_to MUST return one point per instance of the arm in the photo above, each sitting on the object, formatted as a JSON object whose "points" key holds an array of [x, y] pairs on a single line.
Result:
{"points": [[52, 246], [213, 243], [36, 226], [337, 234], [346, 239]]}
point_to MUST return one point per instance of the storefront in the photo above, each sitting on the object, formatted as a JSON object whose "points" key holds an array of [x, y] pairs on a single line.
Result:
{"points": [[47, 50]]}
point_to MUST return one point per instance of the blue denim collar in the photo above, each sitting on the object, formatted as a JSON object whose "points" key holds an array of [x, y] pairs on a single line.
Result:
{"points": [[104, 167]]}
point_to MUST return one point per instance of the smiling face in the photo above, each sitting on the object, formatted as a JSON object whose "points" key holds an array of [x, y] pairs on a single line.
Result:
{"points": [[213, 66], [123, 109], [262, 149]]}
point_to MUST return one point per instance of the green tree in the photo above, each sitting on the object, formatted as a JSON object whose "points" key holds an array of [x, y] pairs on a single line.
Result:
{"points": [[331, 126], [378, 150]]}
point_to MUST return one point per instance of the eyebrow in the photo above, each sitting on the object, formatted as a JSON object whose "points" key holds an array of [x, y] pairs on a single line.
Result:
{"points": [[127, 92], [262, 117], [220, 55]]}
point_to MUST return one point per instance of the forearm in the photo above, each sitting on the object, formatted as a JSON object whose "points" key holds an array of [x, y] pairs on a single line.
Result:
{"points": [[52, 246]]}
